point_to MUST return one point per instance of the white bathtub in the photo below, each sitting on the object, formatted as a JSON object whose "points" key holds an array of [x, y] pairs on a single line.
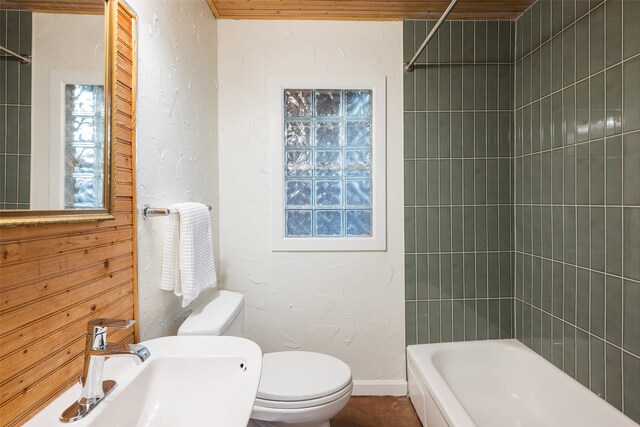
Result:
{"points": [[499, 383]]}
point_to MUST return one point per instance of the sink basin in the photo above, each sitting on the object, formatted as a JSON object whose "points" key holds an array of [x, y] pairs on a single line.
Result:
{"points": [[187, 381]]}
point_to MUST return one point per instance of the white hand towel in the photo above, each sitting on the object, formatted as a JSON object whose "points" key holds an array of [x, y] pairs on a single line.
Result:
{"points": [[187, 259]]}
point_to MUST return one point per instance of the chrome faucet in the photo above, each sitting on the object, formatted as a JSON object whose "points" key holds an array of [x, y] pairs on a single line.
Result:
{"points": [[97, 350]]}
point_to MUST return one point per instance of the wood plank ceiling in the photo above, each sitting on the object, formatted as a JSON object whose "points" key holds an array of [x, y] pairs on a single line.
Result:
{"points": [[369, 10], [93, 7]]}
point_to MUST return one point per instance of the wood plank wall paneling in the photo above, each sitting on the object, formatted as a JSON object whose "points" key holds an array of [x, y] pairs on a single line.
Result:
{"points": [[55, 277], [370, 10]]}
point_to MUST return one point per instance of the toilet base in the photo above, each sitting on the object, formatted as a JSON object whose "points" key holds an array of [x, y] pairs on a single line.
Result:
{"points": [[259, 423]]}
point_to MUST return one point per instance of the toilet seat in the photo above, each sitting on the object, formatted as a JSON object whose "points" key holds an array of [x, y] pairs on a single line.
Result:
{"points": [[301, 379]]}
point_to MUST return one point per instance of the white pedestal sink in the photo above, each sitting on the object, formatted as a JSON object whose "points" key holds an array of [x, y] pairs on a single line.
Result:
{"points": [[187, 381]]}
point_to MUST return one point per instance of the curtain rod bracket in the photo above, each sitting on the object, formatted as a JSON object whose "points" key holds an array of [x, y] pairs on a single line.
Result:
{"points": [[409, 66]]}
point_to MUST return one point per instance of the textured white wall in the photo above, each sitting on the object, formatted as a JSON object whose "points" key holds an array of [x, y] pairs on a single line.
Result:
{"points": [[177, 136], [347, 304]]}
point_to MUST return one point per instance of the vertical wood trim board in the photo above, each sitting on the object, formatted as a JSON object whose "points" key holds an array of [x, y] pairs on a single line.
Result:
{"points": [[55, 277]]}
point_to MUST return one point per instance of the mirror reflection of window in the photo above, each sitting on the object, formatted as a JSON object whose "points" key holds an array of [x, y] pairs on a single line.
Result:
{"points": [[84, 146]]}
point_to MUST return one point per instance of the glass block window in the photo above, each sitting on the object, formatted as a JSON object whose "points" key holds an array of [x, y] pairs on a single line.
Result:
{"points": [[328, 162], [84, 146]]}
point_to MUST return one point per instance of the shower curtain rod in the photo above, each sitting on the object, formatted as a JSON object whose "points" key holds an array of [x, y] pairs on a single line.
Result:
{"points": [[409, 66], [26, 59]]}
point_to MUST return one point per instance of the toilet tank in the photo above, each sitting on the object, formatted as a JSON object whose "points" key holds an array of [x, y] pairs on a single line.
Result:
{"points": [[221, 315]]}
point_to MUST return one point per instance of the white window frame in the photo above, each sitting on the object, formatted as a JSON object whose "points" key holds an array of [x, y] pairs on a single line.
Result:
{"points": [[378, 239]]}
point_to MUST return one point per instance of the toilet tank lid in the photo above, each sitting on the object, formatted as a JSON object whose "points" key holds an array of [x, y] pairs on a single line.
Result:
{"points": [[213, 317]]}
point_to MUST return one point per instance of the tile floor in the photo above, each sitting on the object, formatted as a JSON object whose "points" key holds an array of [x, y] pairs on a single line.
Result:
{"points": [[383, 411]]}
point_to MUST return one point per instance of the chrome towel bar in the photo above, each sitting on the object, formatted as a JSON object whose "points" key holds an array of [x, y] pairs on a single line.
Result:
{"points": [[151, 212]]}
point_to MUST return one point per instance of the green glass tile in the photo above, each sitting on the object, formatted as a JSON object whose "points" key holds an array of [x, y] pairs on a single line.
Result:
{"points": [[423, 322], [457, 267], [493, 274], [506, 310], [557, 343], [410, 323], [408, 91], [545, 339], [535, 127], [456, 135], [492, 42], [547, 232], [570, 234], [420, 120], [409, 134], [596, 40], [504, 41], [469, 275], [597, 304], [444, 41], [434, 322], [631, 316], [482, 290], [434, 276], [456, 41], [569, 115], [505, 95], [468, 87], [468, 126], [11, 169], [583, 232], [631, 27], [582, 111], [614, 240], [518, 86], [525, 21], [456, 87], [457, 227], [456, 181], [613, 27], [504, 225], [597, 367], [446, 325], [506, 279], [631, 156], [421, 230], [468, 41], [535, 25], [492, 181], [614, 376], [613, 82], [407, 41], [558, 233], [480, 134], [546, 177], [613, 303], [433, 131], [582, 358], [432, 88], [12, 126], [492, 134], [492, 87], [557, 132], [545, 123], [556, 17], [597, 121], [24, 129], [493, 324], [631, 369], [632, 94], [444, 87], [433, 182], [526, 130], [569, 353], [24, 179], [597, 238], [526, 223], [469, 181], [582, 298], [422, 277], [547, 285], [596, 172], [582, 174], [481, 41], [419, 186], [582, 7], [433, 229], [535, 330], [419, 32], [545, 20], [480, 86], [409, 230], [470, 320], [568, 12], [420, 82], [444, 134], [445, 229], [568, 52], [582, 55], [482, 319], [432, 49], [458, 320], [410, 288], [536, 282], [535, 75], [569, 294], [445, 276], [526, 80], [631, 249], [614, 187]]}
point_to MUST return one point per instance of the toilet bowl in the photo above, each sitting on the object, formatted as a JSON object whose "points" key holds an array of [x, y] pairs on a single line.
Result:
{"points": [[297, 388]]}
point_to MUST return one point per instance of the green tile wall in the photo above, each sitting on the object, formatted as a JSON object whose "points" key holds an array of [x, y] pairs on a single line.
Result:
{"points": [[15, 111], [458, 113], [577, 192]]}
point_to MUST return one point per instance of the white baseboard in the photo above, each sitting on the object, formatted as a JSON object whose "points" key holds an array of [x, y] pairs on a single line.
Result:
{"points": [[379, 388]]}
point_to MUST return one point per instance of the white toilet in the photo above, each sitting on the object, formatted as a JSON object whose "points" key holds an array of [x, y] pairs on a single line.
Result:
{"points": [[297, 388]]}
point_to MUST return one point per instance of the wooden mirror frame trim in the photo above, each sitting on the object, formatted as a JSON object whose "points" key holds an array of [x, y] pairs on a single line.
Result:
{"points": [[9, 218]]}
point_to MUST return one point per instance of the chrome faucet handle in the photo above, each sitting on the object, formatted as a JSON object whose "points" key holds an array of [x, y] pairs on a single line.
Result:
{"points": [[97, 326]]}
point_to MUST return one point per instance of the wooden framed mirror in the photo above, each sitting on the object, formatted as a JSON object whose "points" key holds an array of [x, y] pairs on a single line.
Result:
{"points": [[59, 151]]}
